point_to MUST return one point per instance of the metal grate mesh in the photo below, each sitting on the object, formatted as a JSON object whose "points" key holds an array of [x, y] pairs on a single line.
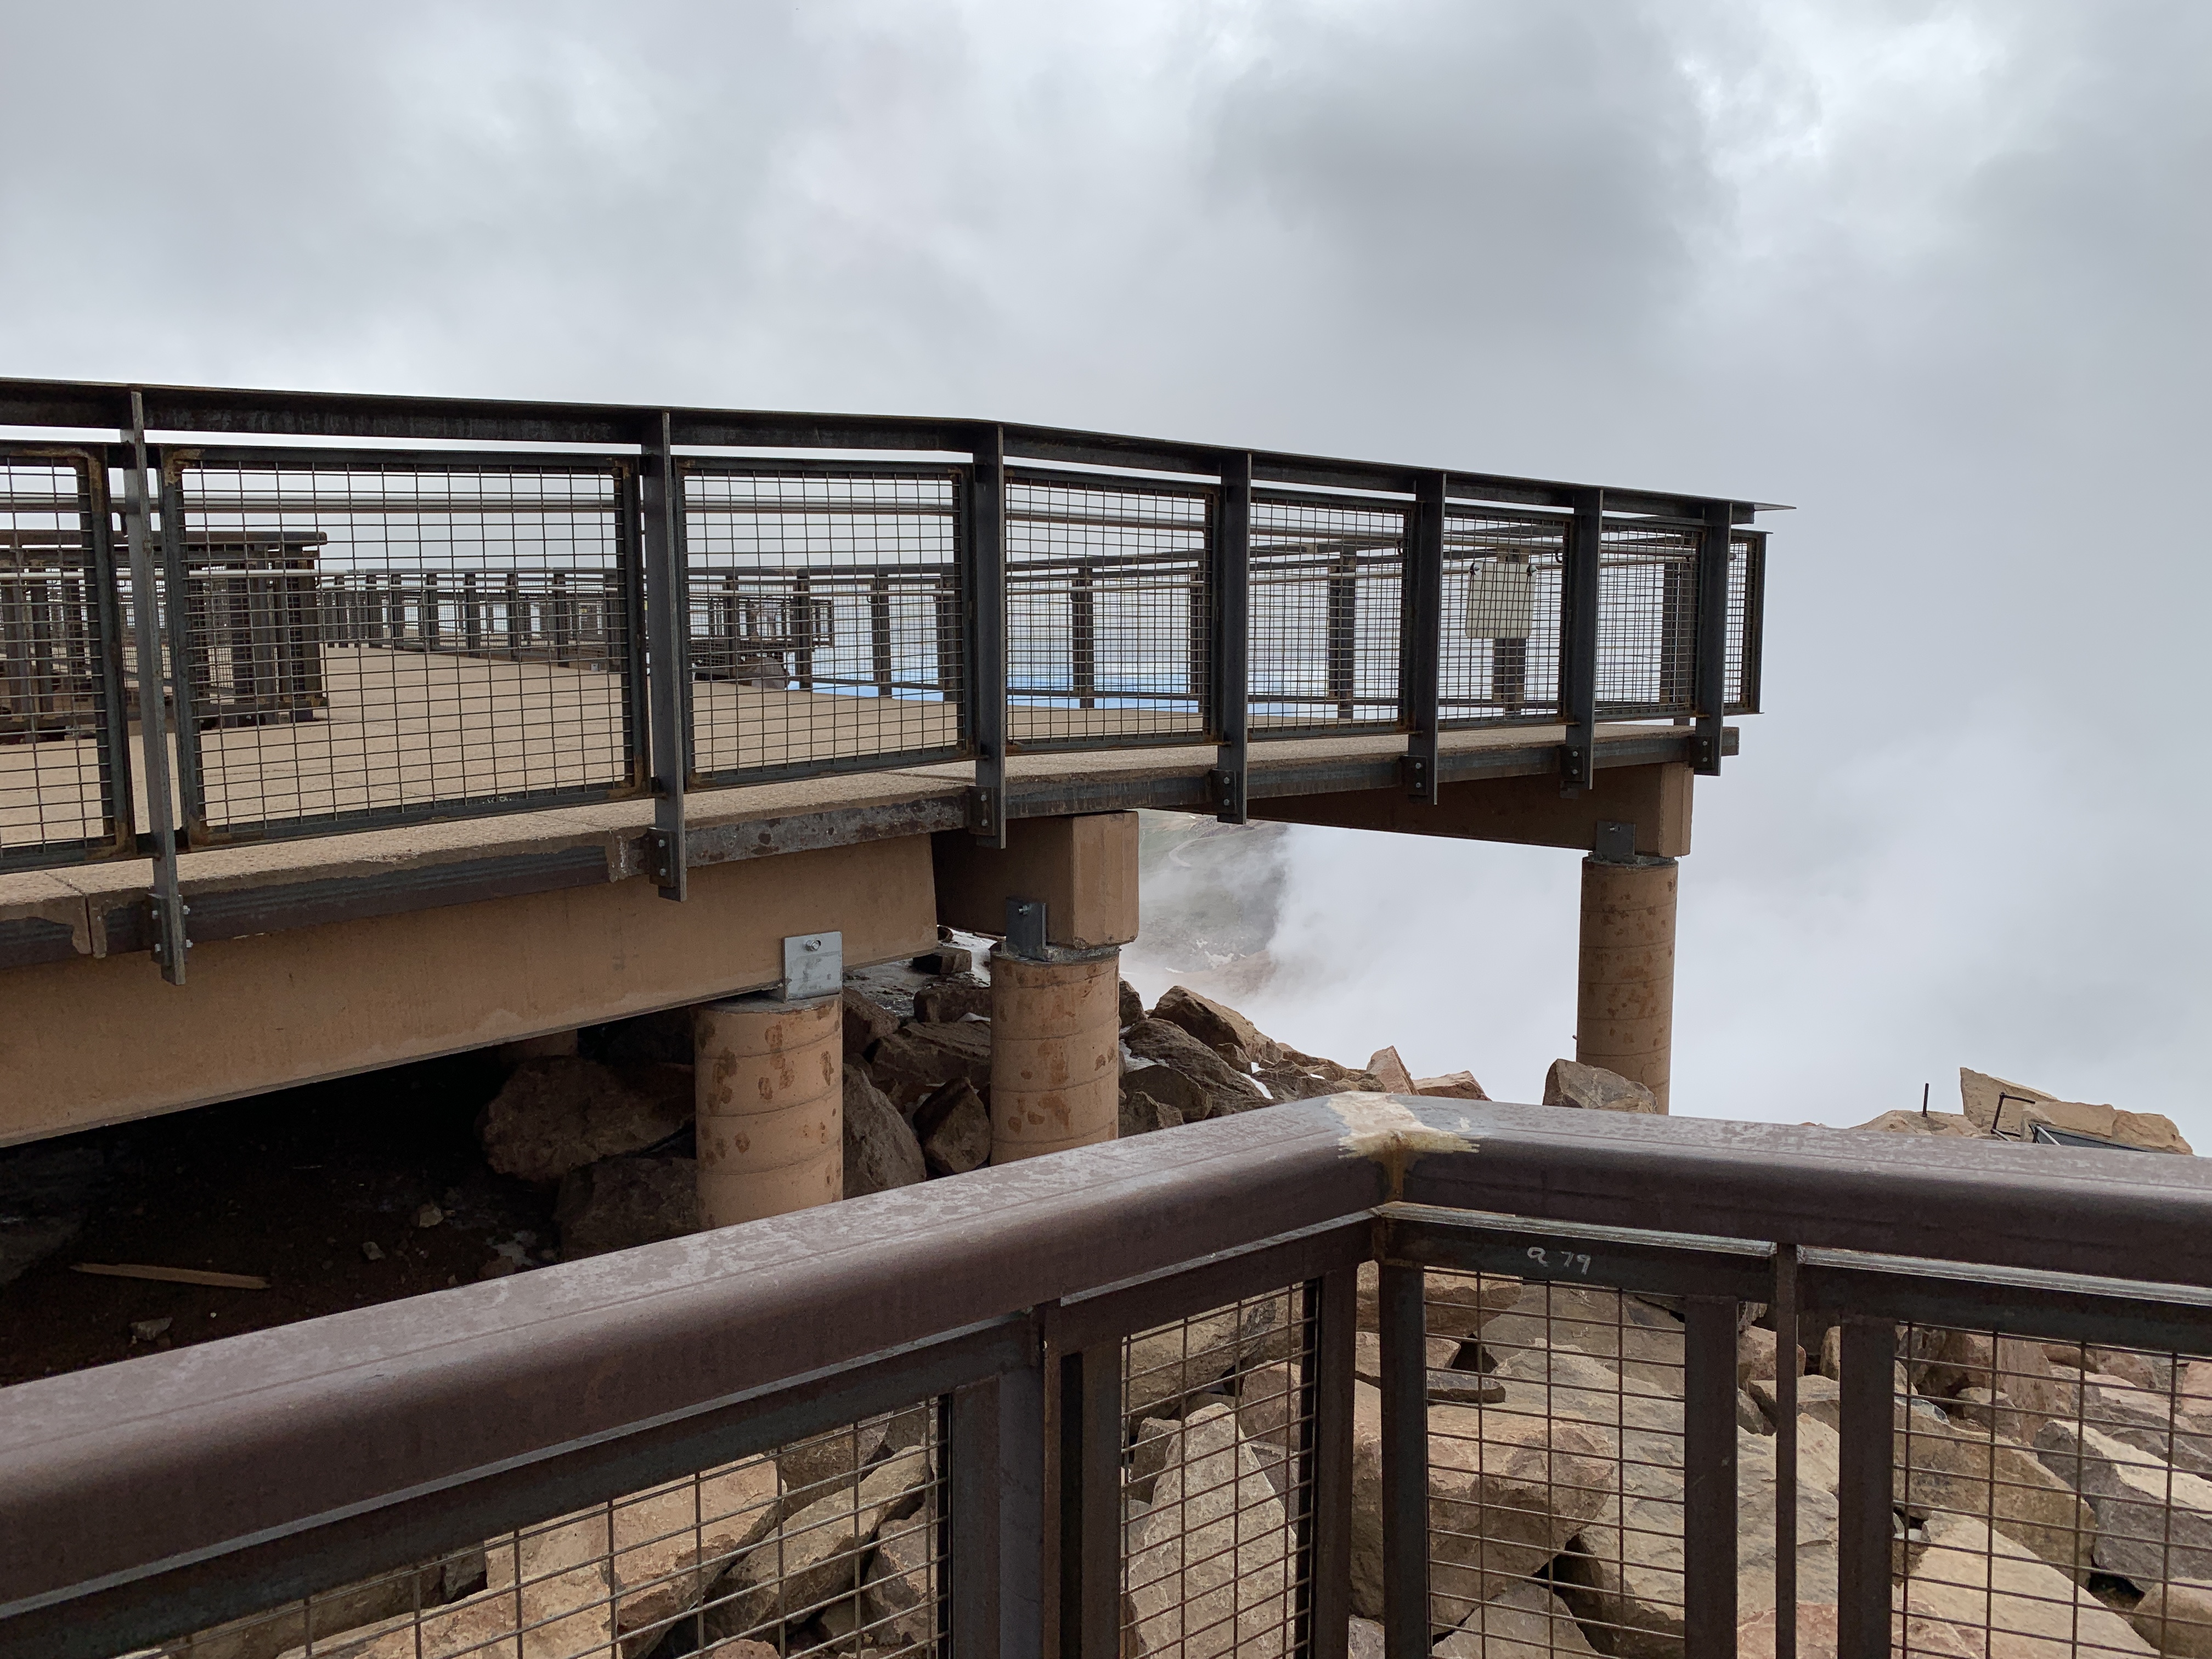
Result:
{"points": [[1107, 612], [1217, 1482], [824, 622], [1327, 581], [1555, 1469], [2050, 1497], [1746, 553], [833, 1545], [61, 793], [1647, 620], [1500, 653], [365, 640]]}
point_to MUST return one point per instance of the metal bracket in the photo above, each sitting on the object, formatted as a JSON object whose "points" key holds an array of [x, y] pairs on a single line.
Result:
{"points": [[660, 856], [1417, 769], [1227, 786], [1614, 843], [983, 815], [1025, 928], [813, 965]]}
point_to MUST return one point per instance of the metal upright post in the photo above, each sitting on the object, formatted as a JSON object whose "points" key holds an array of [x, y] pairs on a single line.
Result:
{"points": [[1325, 1408], [1578, 603], [1405, 1460], [1421, 651], [1232, 636], [1865, 1492], [986, 524], [1785, 1452], [1709, 1510], [171, 942], [1091, 1503], [667, 672], [1710, 684]]}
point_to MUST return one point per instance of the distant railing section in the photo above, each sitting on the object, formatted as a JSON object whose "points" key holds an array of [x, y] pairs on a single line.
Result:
{"points": [[352, 637]]}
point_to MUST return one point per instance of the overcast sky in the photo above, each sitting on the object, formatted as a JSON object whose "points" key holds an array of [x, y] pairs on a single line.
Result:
{"points": [[1936, 274]]}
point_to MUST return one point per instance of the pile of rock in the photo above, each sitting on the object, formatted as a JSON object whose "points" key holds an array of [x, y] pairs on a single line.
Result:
{"points": [[614, 1131], [1997, 1108]]}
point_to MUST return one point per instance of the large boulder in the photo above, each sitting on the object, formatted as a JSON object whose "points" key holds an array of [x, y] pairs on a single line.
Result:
{"points": [[1943, 1469], [557, 1114], [1131, 1005], [953, 1127], [620, 1202], [1593, 1089], [1168, 1363], [2154, 1521], [916, 1061], [1452, 1085], [1390, 1072], [881, 1149], [1453, 1304], [1209, 1556], [2015, 1109], [818, 1552], [1219, 1027], [1524, 1620], [867, 1022], [1157, 1096], [1996, 1595], [943, 1001], [602, 1582], [1225, 1089], [2176, 1618], [1940, 1125], [1642, 1340], [898, 1599]]}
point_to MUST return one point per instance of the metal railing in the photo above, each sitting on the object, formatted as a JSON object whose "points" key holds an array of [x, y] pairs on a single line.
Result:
{"points": [[1476, 1374], [610, 603]]}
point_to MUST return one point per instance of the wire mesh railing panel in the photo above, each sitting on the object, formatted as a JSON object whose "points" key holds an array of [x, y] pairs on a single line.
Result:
{"points": [[369, 641], [1740, 685], [1500, 646], [1556, 1438], [1647, 620], [1108, 612], [63, 790], [2051, 1498], [835, 1544], [1327, 584], [824, 620], [1216, 1490]]}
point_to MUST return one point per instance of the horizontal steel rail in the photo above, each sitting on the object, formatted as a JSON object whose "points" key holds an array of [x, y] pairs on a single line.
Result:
{"points": [[365, 611], [168, 1492]]}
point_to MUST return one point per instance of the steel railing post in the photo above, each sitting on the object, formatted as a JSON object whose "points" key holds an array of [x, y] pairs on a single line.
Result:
{"points": [[1785, 1307], [1232, 582], [1421, 650], [1405, 1460], [1709, 694], [667, 670], [1091, 1503], [986, 569], [1325, 1418], [1709, 1519], [172, 944], [1579, 608], [997, 1502], [1866, 1490]]}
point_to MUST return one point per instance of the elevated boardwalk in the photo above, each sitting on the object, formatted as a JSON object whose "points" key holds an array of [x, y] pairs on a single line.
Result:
{"points": [[378, 753]]}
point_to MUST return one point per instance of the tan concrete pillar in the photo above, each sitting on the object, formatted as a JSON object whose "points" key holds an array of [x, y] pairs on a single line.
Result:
{"points": [[770, 1086], [1055, 1054], [1625, 1001]]}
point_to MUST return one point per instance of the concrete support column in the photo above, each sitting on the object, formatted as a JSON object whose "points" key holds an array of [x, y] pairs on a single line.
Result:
{"points": [[771, 1102], [1055, 1053], [1625, 1000]]}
